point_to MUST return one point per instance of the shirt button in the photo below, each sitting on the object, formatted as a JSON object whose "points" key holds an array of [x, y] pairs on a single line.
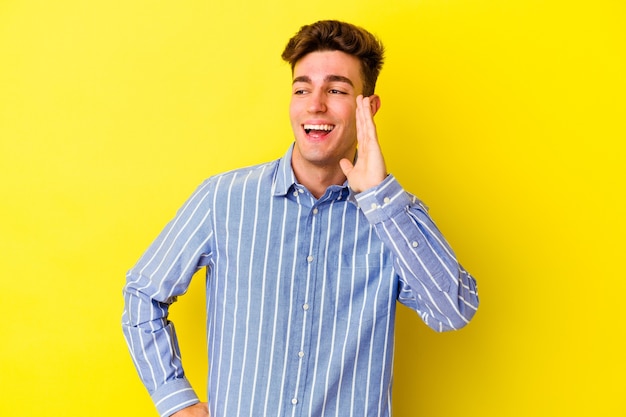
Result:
{"points": [[415, 244], [305, 307], [374, 205], [387, 200], [294, 401], [309, 258], [300, 190], [301, 354], [295, 193], [315, 210]]}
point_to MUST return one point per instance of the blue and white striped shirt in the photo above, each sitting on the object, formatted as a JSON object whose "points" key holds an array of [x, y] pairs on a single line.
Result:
{"points": [[301, 294]]}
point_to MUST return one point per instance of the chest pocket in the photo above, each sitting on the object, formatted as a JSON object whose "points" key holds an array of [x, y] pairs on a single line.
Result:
{"points": [[364, 288]]}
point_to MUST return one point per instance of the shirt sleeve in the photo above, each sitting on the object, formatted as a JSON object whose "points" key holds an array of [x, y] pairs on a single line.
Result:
{"points": [[162, 274], [431, 280]]}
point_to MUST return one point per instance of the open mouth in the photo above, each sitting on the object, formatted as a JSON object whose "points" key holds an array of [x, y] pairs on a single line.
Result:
{"points": [[317, 130]]}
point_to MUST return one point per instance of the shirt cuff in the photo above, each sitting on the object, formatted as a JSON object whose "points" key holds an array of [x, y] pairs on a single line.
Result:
{"points": [[174, 396], [384, 201]]}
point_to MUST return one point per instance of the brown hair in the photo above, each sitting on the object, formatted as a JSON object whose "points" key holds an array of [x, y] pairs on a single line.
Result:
{"points": [[332, 35]]}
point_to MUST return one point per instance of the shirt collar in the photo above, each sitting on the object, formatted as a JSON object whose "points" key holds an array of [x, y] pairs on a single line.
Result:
{"points": [[284, 178]]}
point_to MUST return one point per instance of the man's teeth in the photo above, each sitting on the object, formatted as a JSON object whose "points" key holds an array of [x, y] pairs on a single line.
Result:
{"points": [[327, 128]]}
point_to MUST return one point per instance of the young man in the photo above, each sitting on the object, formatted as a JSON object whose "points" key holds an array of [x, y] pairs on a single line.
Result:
{"points": [[306, 257]]}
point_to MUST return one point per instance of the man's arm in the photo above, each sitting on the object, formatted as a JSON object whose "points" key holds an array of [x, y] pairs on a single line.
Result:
{"points": [[432, 280], [152, 285]]}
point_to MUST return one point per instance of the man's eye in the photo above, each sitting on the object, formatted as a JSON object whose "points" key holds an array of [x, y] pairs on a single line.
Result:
{"points": [[333, 91], [299, 92]]}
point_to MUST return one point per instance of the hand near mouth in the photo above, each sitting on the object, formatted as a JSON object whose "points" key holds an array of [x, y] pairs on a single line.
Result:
{"points": [[369, 169]]}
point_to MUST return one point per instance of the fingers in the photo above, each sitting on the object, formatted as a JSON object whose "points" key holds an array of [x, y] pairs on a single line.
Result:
{"points": [[369, 170], [346, 166], [365, 127]]}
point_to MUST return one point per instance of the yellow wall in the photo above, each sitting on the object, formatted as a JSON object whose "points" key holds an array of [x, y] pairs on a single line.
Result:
{"points": [[506, 117]]}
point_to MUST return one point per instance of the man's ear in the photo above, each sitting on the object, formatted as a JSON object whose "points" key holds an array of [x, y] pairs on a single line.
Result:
{"points": [[374, 103]]}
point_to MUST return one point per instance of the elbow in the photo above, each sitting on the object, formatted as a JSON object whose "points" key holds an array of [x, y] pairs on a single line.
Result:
{"points": [[465, 313], [454, 319]]}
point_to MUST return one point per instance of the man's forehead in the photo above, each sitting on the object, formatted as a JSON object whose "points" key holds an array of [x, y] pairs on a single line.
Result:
{"points": [[339, 60], [328, 66]]}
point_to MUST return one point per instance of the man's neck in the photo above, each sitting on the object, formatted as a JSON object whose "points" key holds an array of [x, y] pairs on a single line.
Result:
{"points": [[318, 178]]}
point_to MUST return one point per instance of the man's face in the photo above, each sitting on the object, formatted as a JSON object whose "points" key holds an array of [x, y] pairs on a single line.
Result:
{"points": [[323, 108]]}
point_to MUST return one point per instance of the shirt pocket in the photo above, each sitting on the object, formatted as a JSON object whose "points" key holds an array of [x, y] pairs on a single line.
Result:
{"points": [[364, 289]]}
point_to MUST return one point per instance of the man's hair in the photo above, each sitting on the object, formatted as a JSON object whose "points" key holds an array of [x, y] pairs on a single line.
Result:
{"points": [[332, 35]]}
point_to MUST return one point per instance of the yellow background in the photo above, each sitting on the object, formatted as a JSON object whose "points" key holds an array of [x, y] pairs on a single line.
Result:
{"points": [[506, 117]]}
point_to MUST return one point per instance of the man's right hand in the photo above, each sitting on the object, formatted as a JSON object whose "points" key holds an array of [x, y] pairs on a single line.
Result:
{"points": [[196, 410]]}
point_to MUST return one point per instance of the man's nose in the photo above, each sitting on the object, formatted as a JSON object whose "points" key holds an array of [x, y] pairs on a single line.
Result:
{"points": [[317, 102]]}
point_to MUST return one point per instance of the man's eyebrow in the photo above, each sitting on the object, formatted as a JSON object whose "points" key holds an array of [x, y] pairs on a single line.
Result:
{"points": [[302, 79], [328, 78], [340, 78]]}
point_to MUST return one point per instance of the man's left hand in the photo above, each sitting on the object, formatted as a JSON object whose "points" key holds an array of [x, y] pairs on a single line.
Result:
{"points": [[369, 169]]}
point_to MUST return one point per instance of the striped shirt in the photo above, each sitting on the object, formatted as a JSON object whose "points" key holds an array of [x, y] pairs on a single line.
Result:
{"points": [[301, 294]]}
